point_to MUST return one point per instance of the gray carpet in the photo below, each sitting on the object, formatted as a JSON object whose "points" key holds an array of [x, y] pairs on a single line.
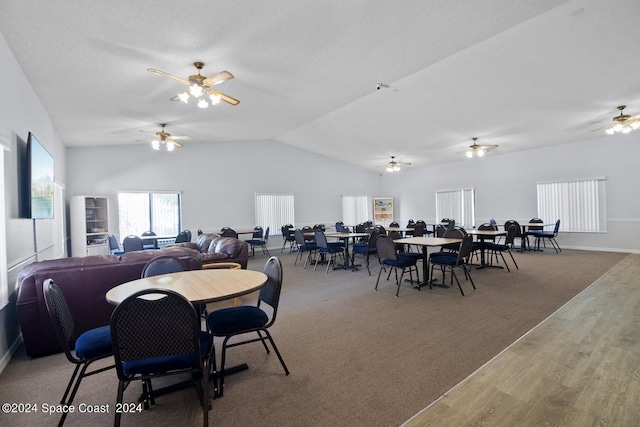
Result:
{"points": [[357, 357]]}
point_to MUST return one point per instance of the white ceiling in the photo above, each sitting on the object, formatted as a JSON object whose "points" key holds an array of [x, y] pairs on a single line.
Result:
{"points": [[517, 73]]}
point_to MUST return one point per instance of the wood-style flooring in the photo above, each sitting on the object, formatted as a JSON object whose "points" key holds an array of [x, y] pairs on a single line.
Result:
{"points": [[580, 367]]}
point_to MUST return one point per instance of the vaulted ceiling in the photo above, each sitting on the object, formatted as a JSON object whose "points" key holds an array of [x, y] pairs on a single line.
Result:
{"points": [[516, 73]]}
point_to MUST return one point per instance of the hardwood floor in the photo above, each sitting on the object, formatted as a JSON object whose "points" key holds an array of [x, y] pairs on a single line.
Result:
{"points": [[580, 367]]}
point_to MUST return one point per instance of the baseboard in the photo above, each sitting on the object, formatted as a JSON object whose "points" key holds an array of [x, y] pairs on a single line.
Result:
{"points": [[6, 358]]}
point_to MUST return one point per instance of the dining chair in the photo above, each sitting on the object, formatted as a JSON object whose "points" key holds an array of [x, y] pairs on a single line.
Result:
{"points": [[247, 319], [261, 241], [304, 245], [498, 248], [287, 237], [533, 229], [367, 249], [149, 243], [182, 237], [389, 257], [90, 346], [450, 263], [132, 243], [158, 337], [550, 236], [114, 246], [481, 243], [228, 232], [328, 248]]}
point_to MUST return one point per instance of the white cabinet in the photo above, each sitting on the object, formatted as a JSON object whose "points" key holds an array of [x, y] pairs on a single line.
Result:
{"points": [[89, 226]]}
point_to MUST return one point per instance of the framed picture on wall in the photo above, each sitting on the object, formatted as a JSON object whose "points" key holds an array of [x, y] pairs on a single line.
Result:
{"points": [[383, 210]]}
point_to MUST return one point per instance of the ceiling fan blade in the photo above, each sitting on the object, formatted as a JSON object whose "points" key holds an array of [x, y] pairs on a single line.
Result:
{"points": [[218, 78], [177, 144], [487, 147], [171, 76], [180, 138], [226, 98], [150, 133]]}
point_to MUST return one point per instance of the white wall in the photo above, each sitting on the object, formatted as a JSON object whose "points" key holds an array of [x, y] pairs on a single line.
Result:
{"points": [[506, 186], [26, 240], [218, 180]]}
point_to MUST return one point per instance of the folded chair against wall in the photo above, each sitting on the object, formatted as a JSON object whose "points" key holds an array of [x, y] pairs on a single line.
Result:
{"points": [[234, 321], [90, 346], [156, 333]]}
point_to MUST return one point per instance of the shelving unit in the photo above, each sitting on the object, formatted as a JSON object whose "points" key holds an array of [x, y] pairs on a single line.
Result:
{"points": [[89, 226], [383, 210]]}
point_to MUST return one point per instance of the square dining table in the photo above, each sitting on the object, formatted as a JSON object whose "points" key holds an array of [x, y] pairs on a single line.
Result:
{"points": [[426, 242]]}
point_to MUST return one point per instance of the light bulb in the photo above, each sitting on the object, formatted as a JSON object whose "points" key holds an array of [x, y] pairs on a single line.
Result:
{"points": [[626, 129], [196, 90], [389, 169], [635, 125], [469, 154], [202, 103], [184, 96], [155, 144], [617, 128], [480, 153], [396, 168], [610, 131], [170, 146], [215, 99]]}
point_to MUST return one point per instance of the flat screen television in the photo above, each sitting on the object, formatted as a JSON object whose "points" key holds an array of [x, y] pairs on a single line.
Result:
{"points": [[36, 176]]}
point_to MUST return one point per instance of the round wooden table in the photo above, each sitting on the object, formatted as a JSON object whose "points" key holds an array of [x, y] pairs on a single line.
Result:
{"points": [[198, 286]]}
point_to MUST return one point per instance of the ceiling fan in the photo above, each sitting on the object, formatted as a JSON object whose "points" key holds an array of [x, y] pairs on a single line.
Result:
{"points": [[394, 166], [200, 85], [478, 150], [164, 138], [623, 123]]}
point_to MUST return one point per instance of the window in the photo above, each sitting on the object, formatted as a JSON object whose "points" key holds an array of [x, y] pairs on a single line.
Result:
{"points": [[274, 211], [578, 204], [158, 212], [355, 209], [458, 205]]}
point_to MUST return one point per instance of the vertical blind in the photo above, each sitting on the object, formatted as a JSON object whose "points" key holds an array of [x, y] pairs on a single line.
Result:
{"points": [[458, 205], [274, 211], [158, 212], [355, 209], [579, 204]]}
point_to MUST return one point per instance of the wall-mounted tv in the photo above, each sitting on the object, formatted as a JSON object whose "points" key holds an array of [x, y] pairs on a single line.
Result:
{"points": [[36, 176]]}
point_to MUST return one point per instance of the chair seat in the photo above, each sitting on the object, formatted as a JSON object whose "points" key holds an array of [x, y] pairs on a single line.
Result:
{"points": [[167, 363], [411, 255], [496, 247], [363, 249], [227, 321], [402, 262], [542, 234], [94, 343], [332, 249], [446, 260]]}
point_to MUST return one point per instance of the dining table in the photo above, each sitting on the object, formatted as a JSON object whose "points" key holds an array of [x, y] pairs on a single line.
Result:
{"points": [[482, 235], [526, 226], [426, 242], [199, 287]]}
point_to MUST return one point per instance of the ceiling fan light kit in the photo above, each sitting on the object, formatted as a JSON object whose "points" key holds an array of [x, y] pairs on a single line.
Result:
{"points": [[394, 166], [164, 138], [623, 123], [478, 150]]}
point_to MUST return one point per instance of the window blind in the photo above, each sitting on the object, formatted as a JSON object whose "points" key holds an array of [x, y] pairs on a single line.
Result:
{"points": [[458, 205], [579, 204], [274, 211]]}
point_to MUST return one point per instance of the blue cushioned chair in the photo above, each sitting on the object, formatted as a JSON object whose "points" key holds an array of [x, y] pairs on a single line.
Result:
{"points": [[114, 246], [183, 237], [450, 262], [499, 248], [259, 239], [92, 345], [325, 248], [287, 237], [156, 333], [132, 243], [149, 243], [367, 249], [308, 246], [389, 257], [233, 321], [551, 236]]}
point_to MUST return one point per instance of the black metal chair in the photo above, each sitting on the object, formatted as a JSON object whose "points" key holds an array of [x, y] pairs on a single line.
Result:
{"points": [[90, 346], [259, 239], [157, 337], [304, 245], [325, 248], [389, 257], [149, 243], [451, 262], [132, 243], [233, 321], [183, 237], [287, 237], [532, 231], [550, 236], [228, 232], [498, 248], [162, 265], [114, 246], [367, 249]]}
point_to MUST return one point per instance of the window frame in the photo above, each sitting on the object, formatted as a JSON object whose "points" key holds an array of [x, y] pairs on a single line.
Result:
{"points": [[151, 220], [461, 214]]}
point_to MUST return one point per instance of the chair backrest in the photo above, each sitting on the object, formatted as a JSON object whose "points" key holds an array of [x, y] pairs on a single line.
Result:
{"points": [[113, 243], [319, 227], [411, 223], [418, 229], [556, 228], [386, 248], [200, 231], [487, 226], [535, 227], [371, 243], [229, 232], [132, 243], [395, 235], [394, 224], [286, 231], [145, 328], [182, 237], [455, 233], [516, 224], [466, 246], [257, 232], [299, 235], [511, 235], [148, 241], [339, 226], [493, 222], [266, 236], [440, 230], [270, 293], [162, 265], [380, 229], [321, 239], [361, 228], [60, 316]]}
